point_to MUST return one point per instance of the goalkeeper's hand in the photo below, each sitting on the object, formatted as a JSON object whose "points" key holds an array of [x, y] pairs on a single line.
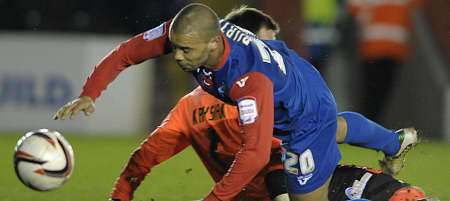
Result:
{"points": [[72, 108]]}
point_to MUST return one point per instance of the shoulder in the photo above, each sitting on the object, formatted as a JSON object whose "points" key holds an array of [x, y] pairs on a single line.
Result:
{"points": [[276, 44], [197, 98], [192, 97], [244, 55]]}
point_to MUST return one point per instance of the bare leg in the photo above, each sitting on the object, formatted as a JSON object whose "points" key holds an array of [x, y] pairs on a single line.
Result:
{"points": [[320, 194], [341, 131], [282, 197]]}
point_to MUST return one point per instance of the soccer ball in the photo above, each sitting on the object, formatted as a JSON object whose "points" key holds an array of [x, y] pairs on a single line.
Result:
{"points": [[43, 160]]}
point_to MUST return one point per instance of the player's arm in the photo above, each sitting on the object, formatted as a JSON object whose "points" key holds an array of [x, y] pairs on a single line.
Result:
{"points": [[144, 46], [166, 141], [254, 95]]}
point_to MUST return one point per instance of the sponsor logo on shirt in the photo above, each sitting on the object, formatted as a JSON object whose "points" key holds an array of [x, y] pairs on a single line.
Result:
{"points": [[247, 110], [210, 112]]}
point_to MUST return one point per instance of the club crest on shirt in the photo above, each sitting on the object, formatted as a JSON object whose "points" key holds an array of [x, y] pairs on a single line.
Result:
{"points": [[205, 77]]}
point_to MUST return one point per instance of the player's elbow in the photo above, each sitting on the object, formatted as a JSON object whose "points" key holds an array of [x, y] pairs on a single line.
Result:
{"points": [[265, 160], [261, 160]]}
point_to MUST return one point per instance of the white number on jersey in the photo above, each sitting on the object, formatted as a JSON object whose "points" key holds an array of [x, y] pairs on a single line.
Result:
{"points": [[266, 52]]}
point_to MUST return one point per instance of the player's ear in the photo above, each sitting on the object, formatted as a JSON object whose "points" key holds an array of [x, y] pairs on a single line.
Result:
{"points": [[214, 42]]}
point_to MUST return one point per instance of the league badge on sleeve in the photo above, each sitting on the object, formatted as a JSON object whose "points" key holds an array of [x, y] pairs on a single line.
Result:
{"points": [[154, 33], [247, 110]]}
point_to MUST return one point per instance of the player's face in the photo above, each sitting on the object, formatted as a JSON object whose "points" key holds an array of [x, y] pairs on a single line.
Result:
{"points": [[266, 34], [190, 51]]}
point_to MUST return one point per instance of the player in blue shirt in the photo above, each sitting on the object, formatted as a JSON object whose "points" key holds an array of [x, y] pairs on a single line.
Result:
{"points": [[275, 90]]}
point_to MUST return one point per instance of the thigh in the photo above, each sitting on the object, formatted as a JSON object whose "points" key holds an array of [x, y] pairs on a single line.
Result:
{"points": [[320, 194]]}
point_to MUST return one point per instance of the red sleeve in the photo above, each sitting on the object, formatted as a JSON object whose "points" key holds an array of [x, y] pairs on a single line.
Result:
{"points": [[150, 44], [254, 94], [164, 142]]}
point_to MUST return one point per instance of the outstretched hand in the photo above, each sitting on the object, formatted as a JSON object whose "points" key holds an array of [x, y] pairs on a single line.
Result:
{"points": [[72, 108]]}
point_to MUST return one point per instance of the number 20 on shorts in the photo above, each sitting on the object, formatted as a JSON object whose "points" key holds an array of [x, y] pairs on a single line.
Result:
{"points": [[305, 160]]}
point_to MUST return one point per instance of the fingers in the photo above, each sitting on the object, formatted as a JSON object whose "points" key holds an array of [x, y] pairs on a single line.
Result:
{"points": [[72, 108], [76, 110], [60, 112], [68, 110], [64, 111], [55, 116], [88, 111]]}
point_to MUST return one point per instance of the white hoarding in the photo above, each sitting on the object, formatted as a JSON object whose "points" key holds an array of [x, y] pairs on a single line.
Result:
{"points": [[40, 72]]}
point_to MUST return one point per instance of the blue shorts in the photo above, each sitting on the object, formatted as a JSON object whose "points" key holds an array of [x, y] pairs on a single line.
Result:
{"points": [[311, 154]]}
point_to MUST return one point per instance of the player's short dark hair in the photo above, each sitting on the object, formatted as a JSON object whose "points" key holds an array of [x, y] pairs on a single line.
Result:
{"points": [[252, 19]]}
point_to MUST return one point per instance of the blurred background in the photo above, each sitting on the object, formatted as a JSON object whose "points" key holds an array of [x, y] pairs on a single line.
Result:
{"points": [[387, 59]]}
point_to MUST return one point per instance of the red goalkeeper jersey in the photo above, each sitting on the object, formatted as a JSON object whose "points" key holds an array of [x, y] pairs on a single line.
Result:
{"points": [[212, 129]]}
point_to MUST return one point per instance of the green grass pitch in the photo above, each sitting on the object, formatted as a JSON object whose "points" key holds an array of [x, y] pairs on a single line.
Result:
{"points": [[98, 161]]}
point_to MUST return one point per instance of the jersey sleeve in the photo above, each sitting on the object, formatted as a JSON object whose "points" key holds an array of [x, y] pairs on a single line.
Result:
{"points": [[253, 93], [150, 44], [164, 142]]}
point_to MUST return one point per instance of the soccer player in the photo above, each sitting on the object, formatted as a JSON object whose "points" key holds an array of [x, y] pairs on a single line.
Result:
{"points": [[192, 122], [256, 76], [211, 128], [353, 183]]}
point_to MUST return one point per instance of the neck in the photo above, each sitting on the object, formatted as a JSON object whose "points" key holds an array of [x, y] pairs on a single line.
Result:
{"points": [[216, 55]]}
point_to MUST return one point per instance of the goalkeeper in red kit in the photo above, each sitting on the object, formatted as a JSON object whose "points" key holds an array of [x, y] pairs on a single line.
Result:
{"points": [[211, 128]]}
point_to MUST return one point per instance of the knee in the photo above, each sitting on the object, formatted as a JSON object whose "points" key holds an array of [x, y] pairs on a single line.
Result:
{"points": [[320, 194], [341, 131], [282, 197]]}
